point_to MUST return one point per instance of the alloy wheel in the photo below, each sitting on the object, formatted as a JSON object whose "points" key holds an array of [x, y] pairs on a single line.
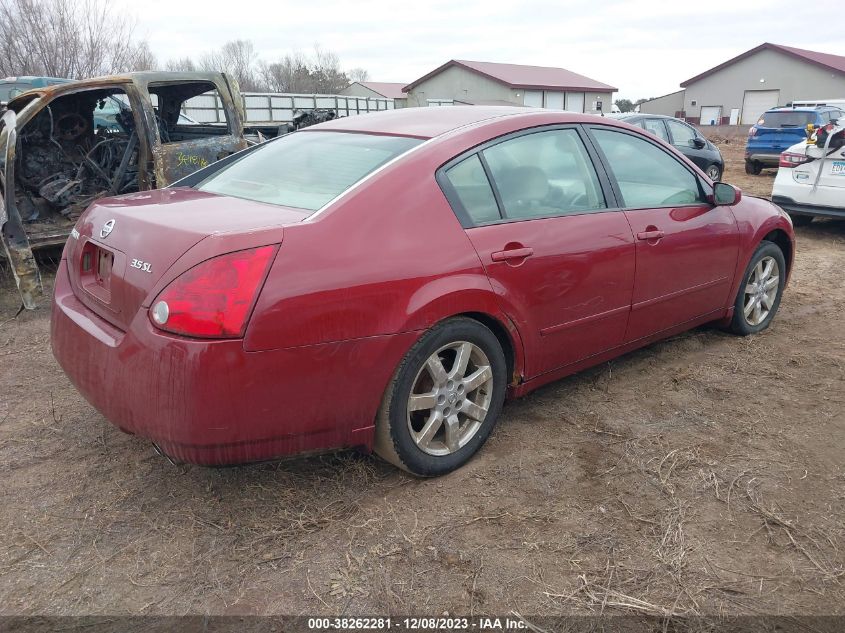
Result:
{"points": [[450, 398], [761, 291], [714, 173]]}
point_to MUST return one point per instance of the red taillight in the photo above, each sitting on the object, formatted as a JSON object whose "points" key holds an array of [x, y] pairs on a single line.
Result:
{"points": [[791, 159], [213, 299]]}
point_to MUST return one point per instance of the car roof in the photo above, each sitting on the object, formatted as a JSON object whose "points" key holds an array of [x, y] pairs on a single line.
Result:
{"points": [[422, 122], [801, 109]]}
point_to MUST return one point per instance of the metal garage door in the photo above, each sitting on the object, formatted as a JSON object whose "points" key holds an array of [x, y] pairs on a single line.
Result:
{"points": [[533, 98], [755, 103], [575, 101], [711, 115]]}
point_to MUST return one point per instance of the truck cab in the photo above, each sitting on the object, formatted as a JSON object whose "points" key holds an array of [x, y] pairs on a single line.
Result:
{"points": [[63, 146]]}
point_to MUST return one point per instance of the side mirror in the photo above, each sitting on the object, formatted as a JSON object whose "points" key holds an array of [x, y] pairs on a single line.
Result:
{"points": [[725, 194], [698, 142]]}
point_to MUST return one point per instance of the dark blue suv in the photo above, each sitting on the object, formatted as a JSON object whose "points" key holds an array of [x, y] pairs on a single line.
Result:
{"points": [[780, 128]]}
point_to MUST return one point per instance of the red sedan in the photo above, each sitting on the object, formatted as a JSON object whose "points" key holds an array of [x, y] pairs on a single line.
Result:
{"points": [[385, 281]]}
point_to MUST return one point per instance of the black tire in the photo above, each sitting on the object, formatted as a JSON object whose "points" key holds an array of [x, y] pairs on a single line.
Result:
{"points": [[740, 324], [714, 172], [753, 167], [394, 441], [800, 220]]}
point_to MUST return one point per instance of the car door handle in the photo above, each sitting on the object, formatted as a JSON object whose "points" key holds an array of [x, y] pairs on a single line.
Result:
{"points": [[511, 254], [650, 235]]}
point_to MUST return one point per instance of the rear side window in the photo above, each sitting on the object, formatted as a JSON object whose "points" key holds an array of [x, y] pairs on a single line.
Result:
{"points": [[647, 176], [473, 190], [786, 119], [187, 111], [306, 170], [656, 127], [544, 174]]}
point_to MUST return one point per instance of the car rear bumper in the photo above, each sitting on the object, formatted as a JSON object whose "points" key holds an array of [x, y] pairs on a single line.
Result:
{"points": [[766, 159], [212, 402], [790, 206]]}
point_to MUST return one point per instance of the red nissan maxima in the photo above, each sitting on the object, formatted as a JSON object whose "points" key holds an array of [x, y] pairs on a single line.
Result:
{"points": [[385, 281]]}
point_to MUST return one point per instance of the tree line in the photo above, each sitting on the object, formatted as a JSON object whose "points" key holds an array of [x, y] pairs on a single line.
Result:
{"points": [[76, 39], [626, 105]]}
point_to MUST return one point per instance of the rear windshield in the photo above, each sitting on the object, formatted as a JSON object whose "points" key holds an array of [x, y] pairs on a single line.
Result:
{"points": [[306, 170], [787, 119]]}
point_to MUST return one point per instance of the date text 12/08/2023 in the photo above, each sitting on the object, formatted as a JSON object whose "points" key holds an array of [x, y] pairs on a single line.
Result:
{"points": [[418, 623]]}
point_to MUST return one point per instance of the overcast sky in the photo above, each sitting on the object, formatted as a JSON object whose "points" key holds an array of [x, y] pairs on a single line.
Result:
{"points": [[644, 48]]}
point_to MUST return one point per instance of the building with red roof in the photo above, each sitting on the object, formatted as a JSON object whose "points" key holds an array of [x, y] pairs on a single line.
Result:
{"points": [[487, 83], [377, 89], [739, 90]]}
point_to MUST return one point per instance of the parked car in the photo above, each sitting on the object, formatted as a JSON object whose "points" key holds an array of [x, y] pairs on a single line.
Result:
{"points": [[684, 137], [11, 87], [780, 128], [811, 179], [385, 281], [63, 146]]}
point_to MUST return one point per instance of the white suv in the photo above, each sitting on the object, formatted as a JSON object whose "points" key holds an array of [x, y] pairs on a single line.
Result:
{"points": [[811, 180]]}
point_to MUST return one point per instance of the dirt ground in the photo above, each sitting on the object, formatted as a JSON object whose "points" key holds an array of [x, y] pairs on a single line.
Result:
{"points": [[703, 474]]}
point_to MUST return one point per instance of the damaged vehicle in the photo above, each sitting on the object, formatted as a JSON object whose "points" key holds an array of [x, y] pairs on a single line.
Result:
{"points": [[66, 145]]}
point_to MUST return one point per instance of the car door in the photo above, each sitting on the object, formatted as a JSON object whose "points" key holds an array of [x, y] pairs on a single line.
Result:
{"points": [[181, 149], [559, 256], [826, 189], [686, 247]]}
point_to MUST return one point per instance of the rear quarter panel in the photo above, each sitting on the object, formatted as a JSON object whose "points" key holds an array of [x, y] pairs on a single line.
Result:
{"points": [[391, 258]]}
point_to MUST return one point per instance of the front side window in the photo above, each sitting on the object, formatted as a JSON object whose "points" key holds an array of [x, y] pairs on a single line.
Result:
{"points": [[682, 135], [544, 174], [306, 170], [656, 127], [647, 176]]}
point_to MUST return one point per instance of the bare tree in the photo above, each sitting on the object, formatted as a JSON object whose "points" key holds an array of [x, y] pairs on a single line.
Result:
{"points": [[297, 72], [358, 74], [289, 74], [185, 64], [319, 72], [238, 58], [144, 58], [326, 72], [68, 38]]}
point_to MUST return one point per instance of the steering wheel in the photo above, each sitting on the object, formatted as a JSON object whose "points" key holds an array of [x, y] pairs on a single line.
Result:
{"points": [[580, 201], [71, 126]]}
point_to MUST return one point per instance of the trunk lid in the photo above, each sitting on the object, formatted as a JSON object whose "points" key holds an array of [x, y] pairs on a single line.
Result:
{"points": [[122, 248]]}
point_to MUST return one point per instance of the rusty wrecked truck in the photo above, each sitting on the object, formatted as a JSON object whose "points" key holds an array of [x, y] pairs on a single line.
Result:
{"points": [[65, 145]]}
